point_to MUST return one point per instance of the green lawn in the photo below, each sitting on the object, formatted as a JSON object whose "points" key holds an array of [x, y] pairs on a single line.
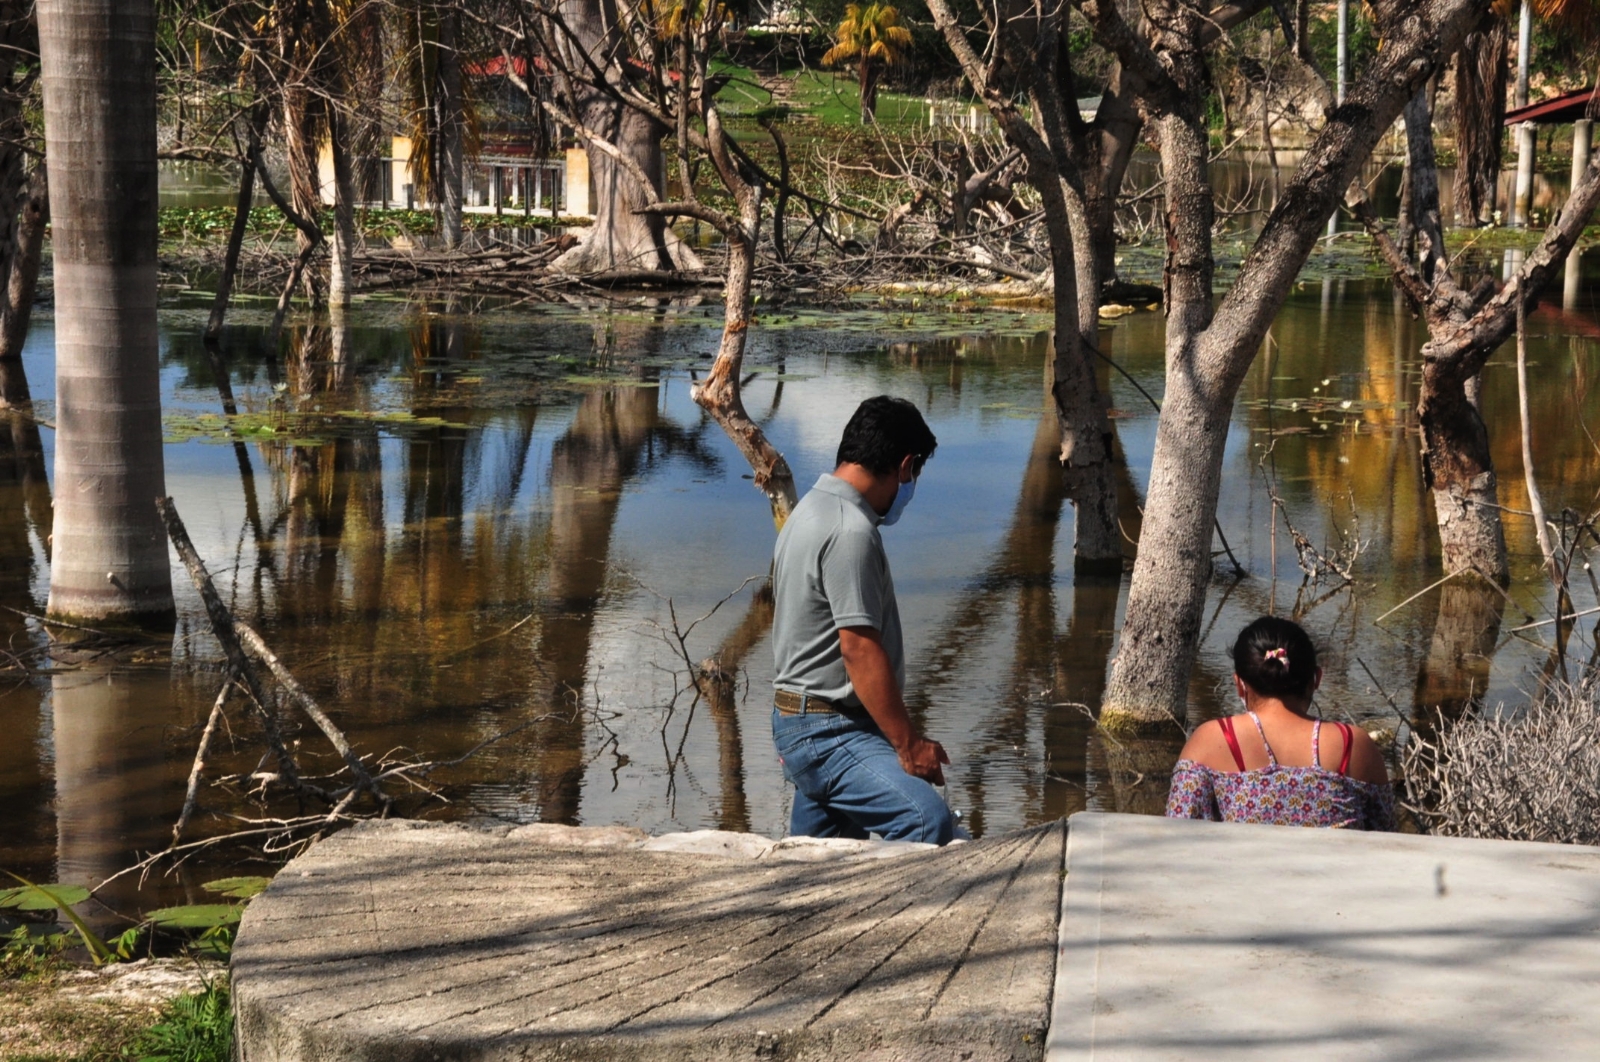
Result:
{"points": [[830, 97]]}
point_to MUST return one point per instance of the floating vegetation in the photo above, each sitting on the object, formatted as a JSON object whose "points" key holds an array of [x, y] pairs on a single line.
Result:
{"points": [[294, 428]]}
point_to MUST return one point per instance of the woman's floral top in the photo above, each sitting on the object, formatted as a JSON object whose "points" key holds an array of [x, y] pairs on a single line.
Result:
{"points": [[1284, 796]]}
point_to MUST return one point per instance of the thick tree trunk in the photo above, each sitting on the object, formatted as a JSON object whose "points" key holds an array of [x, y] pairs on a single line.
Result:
{"points": [[110, 563], [1457, 463], [1086, 440], [300, 129], [621, 240], [450, 121]]}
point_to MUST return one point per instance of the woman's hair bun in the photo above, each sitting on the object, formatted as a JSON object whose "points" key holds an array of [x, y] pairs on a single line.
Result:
{"points": [[1275, 658]]}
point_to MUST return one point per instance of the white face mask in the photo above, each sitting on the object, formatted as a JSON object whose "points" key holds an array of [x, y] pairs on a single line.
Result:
{"points": [[902, 498]]}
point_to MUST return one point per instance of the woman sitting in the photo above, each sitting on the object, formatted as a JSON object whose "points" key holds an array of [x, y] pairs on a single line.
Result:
{"points": [[1272, 764]]}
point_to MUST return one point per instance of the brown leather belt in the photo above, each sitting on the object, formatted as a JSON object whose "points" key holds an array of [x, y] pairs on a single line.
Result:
{"points": [[790, 703]]}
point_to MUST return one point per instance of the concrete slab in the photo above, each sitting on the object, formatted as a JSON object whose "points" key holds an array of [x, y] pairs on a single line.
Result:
{"points": [[1189, 940], [408, 942]]}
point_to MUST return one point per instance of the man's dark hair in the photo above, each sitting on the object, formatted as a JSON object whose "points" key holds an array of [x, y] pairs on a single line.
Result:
{"points": [[882, 432]]}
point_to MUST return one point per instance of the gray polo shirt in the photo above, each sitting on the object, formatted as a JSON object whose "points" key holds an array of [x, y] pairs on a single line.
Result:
{"points": [[830, 571]]}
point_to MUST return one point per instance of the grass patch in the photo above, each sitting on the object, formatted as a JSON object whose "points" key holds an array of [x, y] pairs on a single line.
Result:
{"points": [[41, 1023]]}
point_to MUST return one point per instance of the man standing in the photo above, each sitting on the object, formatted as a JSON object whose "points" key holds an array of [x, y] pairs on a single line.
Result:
{"points": [[839, 718]]}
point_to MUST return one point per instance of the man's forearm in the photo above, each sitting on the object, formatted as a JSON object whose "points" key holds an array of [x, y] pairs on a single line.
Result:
{"points": [[867, 664]]}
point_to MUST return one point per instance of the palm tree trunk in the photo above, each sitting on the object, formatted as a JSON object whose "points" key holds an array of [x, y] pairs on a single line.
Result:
{"points": [[98, 72]]}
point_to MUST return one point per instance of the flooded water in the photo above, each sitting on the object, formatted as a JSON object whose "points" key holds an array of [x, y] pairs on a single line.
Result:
{"points": [[454, 526]]}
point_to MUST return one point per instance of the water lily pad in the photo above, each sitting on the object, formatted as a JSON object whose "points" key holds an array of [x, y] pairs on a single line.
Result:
{"points": [[42, 897], [241, 888], [197, 916]]}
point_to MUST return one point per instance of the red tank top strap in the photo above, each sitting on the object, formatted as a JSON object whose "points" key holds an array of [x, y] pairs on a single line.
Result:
{"points": [[1344, 759], [1226, 724]]}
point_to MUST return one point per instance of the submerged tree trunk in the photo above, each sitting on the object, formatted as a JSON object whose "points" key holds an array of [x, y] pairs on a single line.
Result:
{"points": [[300, 129], [718, 393], [1086, 441], [241, 223], [1464, 330], [621, 240], [1209, 352], [110, 562]]}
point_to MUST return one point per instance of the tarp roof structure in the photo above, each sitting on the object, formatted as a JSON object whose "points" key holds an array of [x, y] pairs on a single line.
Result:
{"points": [[1568, 107]]}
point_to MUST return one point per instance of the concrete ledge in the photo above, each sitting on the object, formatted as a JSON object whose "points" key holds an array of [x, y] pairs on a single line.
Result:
{"points": [[1189, 940], [407, 942]]}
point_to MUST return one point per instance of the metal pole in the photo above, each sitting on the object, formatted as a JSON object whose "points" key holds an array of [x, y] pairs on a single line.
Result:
{"points": [[1342, 68], [1524, 48], [1344, 49]]}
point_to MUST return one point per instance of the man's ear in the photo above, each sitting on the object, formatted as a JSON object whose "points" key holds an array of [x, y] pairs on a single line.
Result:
{"points": [[908, 465]]}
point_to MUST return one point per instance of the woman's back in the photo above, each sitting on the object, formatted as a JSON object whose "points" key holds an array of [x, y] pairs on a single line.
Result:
{"points": [[1225, 779]]}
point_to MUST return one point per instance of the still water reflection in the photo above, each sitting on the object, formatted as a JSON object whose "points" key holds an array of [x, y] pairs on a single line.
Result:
{"points": [[453, 525]]}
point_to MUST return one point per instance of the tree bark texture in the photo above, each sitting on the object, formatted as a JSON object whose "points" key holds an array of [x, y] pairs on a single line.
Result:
{"points": [[719, 393], [1463, 332], [1480, 118], [450, 121], [1457, 462], [300, 130], [1208, 354], [621, 239], [17, 34], [1031, 47], [22, 283], [98, 63], [241, 223]]}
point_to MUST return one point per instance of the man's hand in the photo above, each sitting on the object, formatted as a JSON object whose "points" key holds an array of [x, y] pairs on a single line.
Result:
{"points": [[867, 664], [922, 759]]}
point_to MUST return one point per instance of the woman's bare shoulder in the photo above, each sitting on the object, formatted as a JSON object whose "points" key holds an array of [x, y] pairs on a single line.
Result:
{"points": [[1208, 747], [1366, 759]]}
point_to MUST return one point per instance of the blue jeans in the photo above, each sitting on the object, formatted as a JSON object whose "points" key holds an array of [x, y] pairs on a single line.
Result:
{"points": [[849, 782]]}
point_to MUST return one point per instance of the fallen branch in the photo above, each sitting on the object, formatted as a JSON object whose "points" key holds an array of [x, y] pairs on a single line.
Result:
{"points": [[222, 626], [192, 794], [258, 648]]}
